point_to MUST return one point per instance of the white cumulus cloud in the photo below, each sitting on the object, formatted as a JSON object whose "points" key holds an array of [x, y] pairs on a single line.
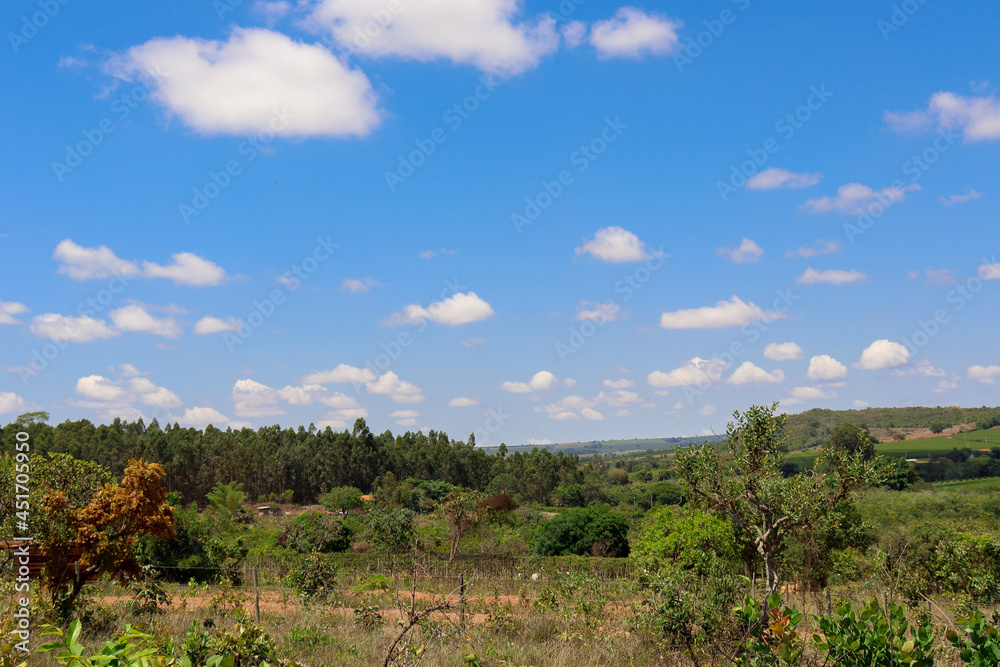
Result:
{"points": [[773, 178], [453, 311], [807, 394], [201, 417], [10, 402], [697, 371], [462, 402], [824, 368], [978, 118], [135, 318], [783, 351], [398, 390], [831, 277], [254, 399], [81, 263], [633, 33], [213, 325], [821, 247], [883, 354], [256, 80], [80, 329], [747, 251], [10, 308], [342, 374], [984, 374], [748, 372], [855, 198], [540, 381], [615, 245], [732, 313]]}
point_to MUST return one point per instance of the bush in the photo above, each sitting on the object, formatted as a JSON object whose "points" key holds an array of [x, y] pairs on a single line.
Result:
{"points": [[316, 532], [583, 531], [689, 541]]}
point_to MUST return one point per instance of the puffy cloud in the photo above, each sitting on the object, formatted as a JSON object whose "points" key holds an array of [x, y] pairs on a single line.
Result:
{"points": [[10, 308], [99, 388], [150, 394], [81, 263], [201, 417], [571, 408], [342, 374], [619, 398], [213, 325], [540, 381], [602, 312], [984, 374], [883, 354], [618, 384], [831, 277], [860, 404], [923, 368], [405, 417], [855, 198], [272, 12], [10, 402], [748, 372], [358, 286], [398, 390], [821, 247], [254, 399], [806, 394], [340, 419], [453, 311], [824, 368], [697, 371], [707, 410], [774, 178], [960, 199], [783, 351], [340, 401], [989, 271], [187, 269], [303, 395], [732, 313], [977, 117], [128, 370], [945, 385], [615, 245], [255, 81], [633, 33], [747, 251], [462, 402], [80, 329], [135, 318], [482, 33], [573, 33]]}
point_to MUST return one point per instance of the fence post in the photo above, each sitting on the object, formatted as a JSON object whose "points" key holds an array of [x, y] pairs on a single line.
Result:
{"points": [[461, 603], [256, 595], [829, 602]]}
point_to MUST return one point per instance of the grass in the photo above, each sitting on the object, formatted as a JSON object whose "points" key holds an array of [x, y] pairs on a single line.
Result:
{"points": [[990, 484]]}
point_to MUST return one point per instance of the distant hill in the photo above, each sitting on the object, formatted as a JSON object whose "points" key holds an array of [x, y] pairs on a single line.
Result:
{"points": [[605, 447], [813, 427]]}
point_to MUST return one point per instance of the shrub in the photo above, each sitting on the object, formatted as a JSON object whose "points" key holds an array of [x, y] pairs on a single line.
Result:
{"points": [[691, 541], [583, 531]]}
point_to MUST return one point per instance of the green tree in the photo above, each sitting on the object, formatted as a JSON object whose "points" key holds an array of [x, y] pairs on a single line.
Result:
{"points": [[342, 499], [690, 540], [462, 510], [752, 493], [851, 439], [227, 498], [583, 531]]}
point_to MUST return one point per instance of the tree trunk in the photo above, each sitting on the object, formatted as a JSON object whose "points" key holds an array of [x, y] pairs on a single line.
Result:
{"points": [[772, 573]]}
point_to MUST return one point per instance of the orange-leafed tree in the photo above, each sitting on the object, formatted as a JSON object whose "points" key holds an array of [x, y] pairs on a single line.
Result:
{"points": [[100, 537]]}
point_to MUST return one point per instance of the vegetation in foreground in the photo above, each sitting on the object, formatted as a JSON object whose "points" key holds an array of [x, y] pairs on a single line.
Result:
{"points": [[709, 556]]}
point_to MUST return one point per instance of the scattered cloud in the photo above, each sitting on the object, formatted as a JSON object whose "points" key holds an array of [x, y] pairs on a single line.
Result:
{"points": [[80, 263], [707, 410], [10, 308], [748, 373], [128, 370], [978, 118], [202, 416], [398, 390], [989, 271], [254, 399], [342, 374], [783, 351], [602, 312], [883, 354], [923, 368], [618, 384], [940, 277], [213, 325], [255, 80], [697, 371], [405, 417], [806, 394], [774, 178], [821, 247], [573, 33], [747, 251], [855, 198], [984, 374], [99, 388], [632, 33], [80, 329], [831, 277], [472, 342], [11, 402], [187, 269], [482, 33], [135, 318], [271, 12], [453, 311], [860, 404], [824, 368], [572, 408], [358, 286], [462, 402], [960, 199], [615, 245], [732, 313], [540, 381]]}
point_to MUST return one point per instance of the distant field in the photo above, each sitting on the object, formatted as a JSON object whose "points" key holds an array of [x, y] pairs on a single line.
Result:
{"points": [[981, 484], [921, 448]]}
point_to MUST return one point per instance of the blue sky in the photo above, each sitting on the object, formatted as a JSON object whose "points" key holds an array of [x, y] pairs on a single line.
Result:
{"points": [[535, 222]]}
